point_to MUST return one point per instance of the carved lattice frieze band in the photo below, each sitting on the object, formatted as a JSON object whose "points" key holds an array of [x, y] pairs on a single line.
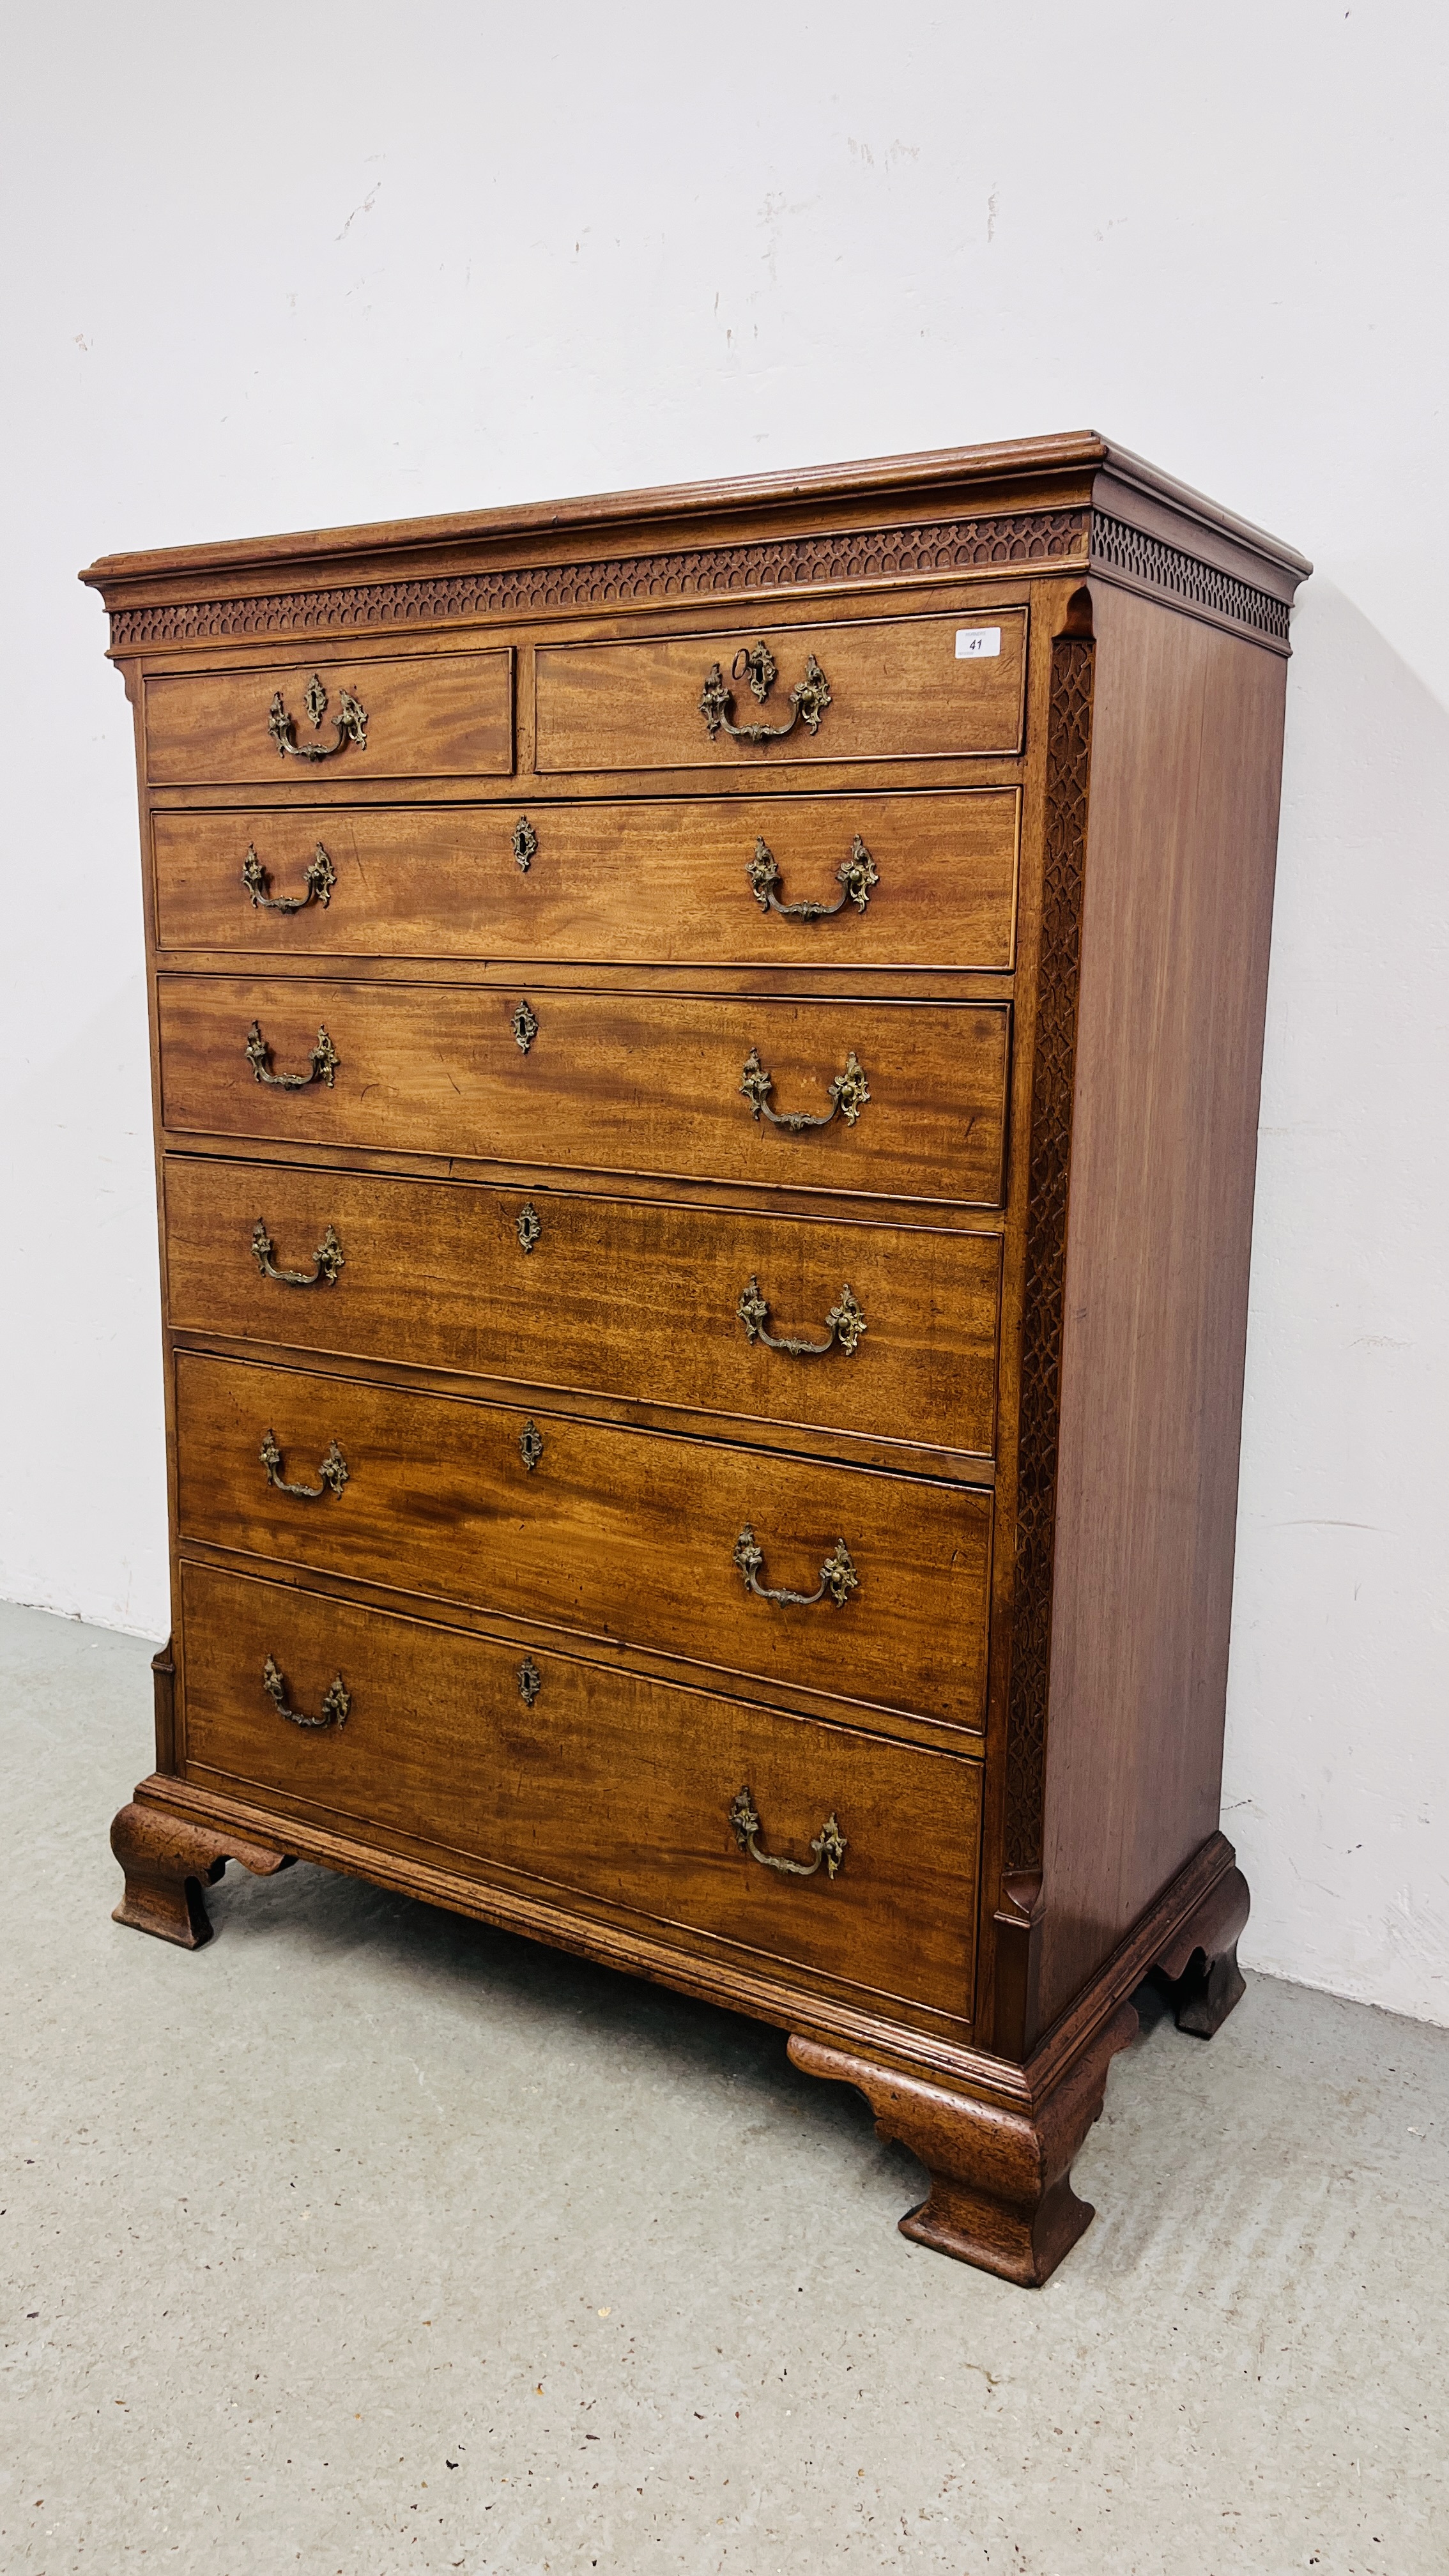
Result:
{"points": [[1069, 739], [1166, 568], [784, 563]]}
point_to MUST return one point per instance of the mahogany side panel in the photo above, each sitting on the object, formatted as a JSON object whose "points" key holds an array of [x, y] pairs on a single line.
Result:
{"points": [[1182, 838]]}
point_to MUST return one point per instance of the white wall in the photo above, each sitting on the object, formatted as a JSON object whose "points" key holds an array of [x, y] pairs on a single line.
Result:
{"points": [[272, 268]]}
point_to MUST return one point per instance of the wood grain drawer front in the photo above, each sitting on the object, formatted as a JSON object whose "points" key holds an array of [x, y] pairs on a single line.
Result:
{"points": [[418, 715], [651, 883], [652, 1084], [900, 688], [632, 1538], [605, 1786], [616, 1297]]}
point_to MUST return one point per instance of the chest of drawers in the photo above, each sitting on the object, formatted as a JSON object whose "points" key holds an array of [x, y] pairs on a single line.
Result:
{"points": [[706, 1055]]}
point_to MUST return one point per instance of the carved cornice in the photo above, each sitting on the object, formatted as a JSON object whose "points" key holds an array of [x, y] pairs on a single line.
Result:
{"points": [[1165, 568], [784, 563]]}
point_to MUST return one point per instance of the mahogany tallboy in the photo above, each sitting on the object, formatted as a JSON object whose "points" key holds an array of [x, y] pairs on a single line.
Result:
{"points": [[706, 1052]]}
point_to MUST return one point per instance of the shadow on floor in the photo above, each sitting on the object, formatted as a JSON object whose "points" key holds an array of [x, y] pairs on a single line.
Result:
{"points": [[462, 1960]]}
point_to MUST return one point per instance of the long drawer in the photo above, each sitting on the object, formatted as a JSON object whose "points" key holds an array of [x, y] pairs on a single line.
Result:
{"points": [[331, 723], [881, 688], [628, 1538], [914, 880], [583, 1294], [554, 1776], [880, 1099]]}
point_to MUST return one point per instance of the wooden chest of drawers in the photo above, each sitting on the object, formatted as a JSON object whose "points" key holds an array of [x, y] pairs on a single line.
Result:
{"points": [[706, 1059]]}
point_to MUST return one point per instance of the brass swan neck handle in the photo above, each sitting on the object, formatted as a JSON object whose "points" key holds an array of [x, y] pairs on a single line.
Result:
{"points": [[847, 1095], [350, 723], [332, 1474], [335, 1705], [838, 1577], [328, 1260], [322, 1062], [808, 699], [855, 876], [844, 1325], [318, 879], [829, 1845]]}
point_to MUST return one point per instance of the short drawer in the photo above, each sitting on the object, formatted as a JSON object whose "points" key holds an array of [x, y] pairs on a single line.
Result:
{"points": [[778, 1571], [915, 880], [329, 724], [879, 688], [543, 1771], [883, 1099], [579, 1293]]}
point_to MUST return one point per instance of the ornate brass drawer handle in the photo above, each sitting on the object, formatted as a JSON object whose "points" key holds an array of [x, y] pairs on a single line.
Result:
{"points": [[838, 1576], [848, 1094], [855, 876], [318, 877], [332, 1473], [808, 699], [322, 1062], [844, 1325], [351, 724], [335, 1704], [829, 1845], [329, 1260]]}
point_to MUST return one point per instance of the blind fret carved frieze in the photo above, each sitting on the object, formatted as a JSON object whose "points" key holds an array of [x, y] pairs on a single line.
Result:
{"points": [[884, 554], [1183, 576]]}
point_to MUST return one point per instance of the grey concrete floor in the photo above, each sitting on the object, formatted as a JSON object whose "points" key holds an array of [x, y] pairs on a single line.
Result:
{"points": [[371, 2240]]}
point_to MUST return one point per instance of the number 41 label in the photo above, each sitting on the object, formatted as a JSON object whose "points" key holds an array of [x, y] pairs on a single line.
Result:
{"points": [[977, 643]]}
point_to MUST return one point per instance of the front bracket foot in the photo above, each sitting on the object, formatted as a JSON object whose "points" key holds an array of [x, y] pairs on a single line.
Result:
{"points": [[1001, 2194], [168, 1862]]}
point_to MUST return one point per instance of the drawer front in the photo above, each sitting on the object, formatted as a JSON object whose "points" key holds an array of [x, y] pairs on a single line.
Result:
{"points": [[679, 1085], [899, 688], [652, 883], [605, 1786], [615, 1297], [416, 715], [632, 1538]]}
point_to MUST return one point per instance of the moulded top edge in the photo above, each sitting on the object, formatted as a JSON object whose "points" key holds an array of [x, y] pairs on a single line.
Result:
{"points": [[1136, 472], [869, 477], [1007, 475]]}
